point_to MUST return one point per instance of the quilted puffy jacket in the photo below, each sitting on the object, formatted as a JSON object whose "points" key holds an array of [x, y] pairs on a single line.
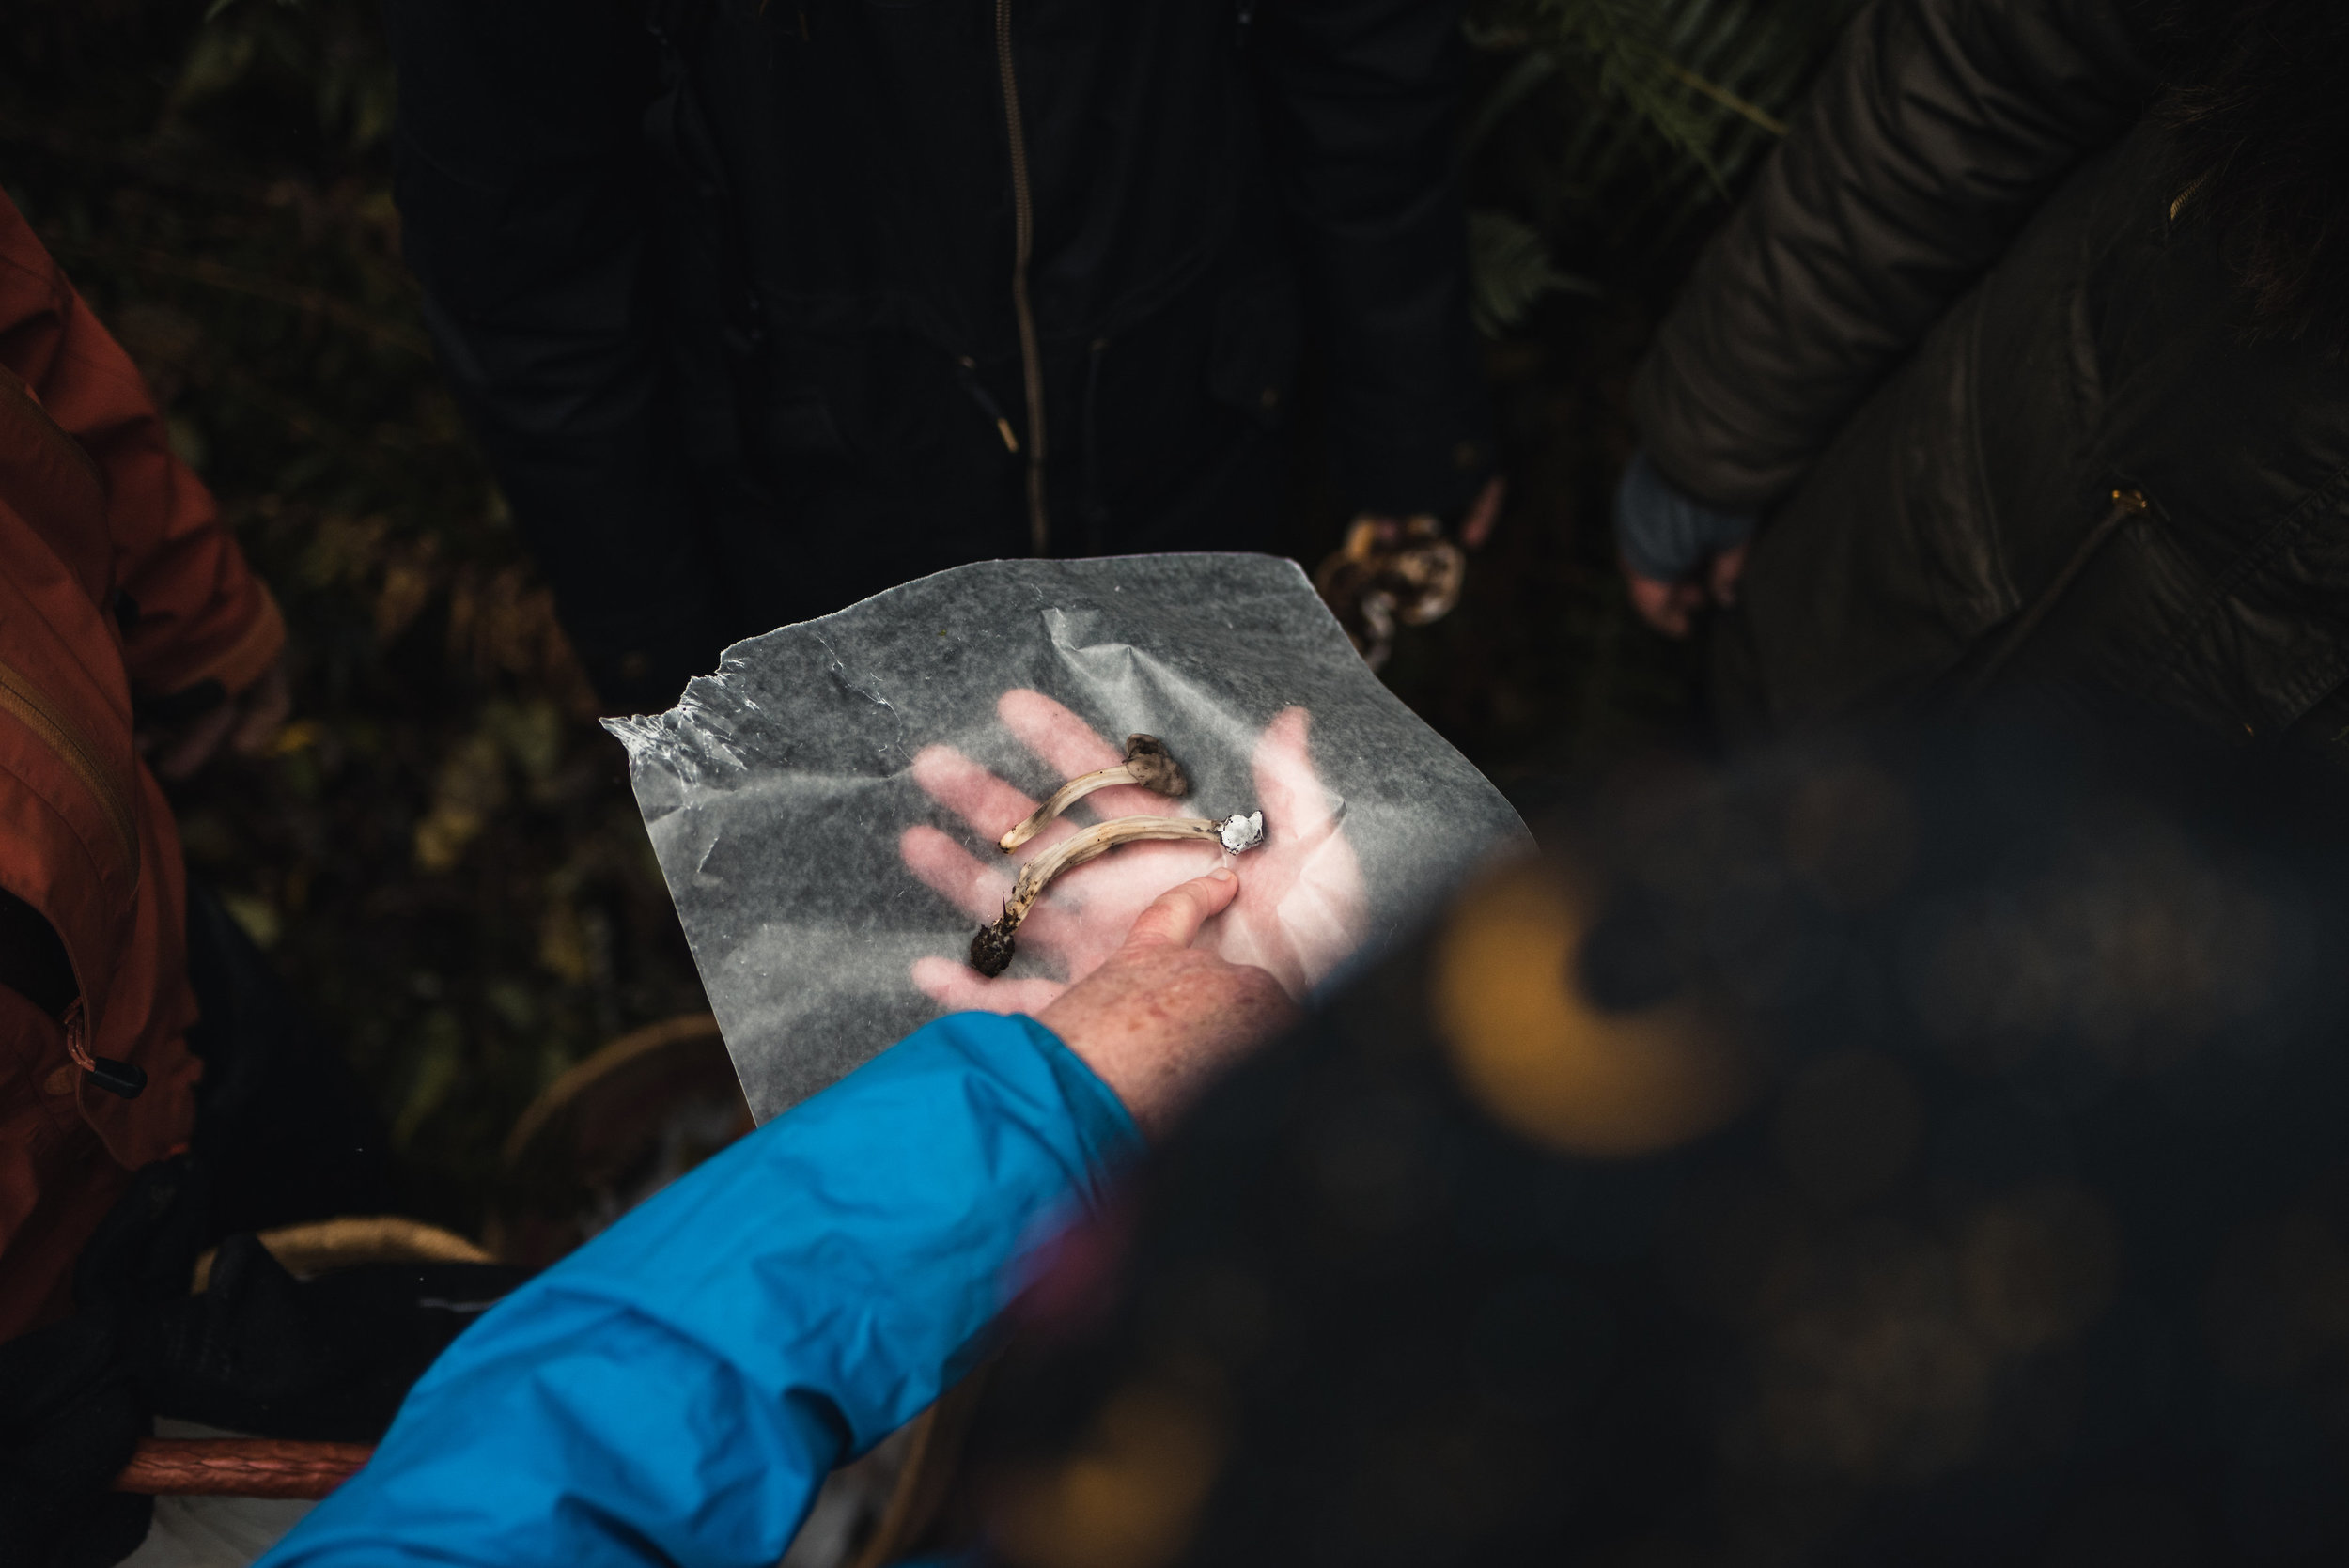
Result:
{"points": [[1969, 349]]}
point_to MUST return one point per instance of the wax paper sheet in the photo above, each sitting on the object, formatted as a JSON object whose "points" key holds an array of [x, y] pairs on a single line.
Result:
{"points": [[785, 793]]}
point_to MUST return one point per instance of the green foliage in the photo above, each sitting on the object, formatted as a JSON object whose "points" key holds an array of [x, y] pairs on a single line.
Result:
{"points": [[332, 52], [1510, 269], [442, 854], [1627, 122]]}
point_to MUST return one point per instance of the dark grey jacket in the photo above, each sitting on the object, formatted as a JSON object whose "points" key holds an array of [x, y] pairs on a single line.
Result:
{"points": [[1963, 308]]}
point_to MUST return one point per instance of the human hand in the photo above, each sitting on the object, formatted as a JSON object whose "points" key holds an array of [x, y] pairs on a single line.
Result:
{"points": [[246, 722], [1671, 608], [1485, 511], [1160, 1019], [1679, 553], [1301, 909]]}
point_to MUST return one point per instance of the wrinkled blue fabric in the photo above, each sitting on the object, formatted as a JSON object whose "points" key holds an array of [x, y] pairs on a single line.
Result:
{"points": [[1666, 534], [675, 1390]]}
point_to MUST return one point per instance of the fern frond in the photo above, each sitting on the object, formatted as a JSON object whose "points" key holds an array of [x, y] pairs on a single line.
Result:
{"points": [[1510, 269], [1644, 114]]}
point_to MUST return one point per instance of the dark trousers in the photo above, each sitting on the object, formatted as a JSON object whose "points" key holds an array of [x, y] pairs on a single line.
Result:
{"points": [[283, 1127]]}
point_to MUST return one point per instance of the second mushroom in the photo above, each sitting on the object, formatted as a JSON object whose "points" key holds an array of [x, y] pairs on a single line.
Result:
{"points": [[1148, 764]]}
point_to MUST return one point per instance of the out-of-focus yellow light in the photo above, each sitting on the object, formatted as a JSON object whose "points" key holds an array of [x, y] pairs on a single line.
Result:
{"points": [[1541, 1059], [1128, 1498]]}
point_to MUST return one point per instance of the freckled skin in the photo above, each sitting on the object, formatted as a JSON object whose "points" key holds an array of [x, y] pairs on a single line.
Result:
{"points": [[1162, 1019]]}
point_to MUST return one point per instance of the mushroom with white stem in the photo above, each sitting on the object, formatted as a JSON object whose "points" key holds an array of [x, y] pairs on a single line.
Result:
{"points": [[1147, 762], [992, 948]]}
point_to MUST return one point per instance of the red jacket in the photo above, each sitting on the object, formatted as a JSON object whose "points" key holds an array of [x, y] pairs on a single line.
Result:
{"points": [[115, 579]]}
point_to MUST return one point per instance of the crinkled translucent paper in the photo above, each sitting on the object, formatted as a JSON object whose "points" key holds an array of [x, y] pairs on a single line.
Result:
{"points": [[778, 791]]}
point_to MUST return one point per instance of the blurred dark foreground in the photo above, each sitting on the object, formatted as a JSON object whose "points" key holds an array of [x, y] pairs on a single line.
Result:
{"points": [[1922, 1150]]}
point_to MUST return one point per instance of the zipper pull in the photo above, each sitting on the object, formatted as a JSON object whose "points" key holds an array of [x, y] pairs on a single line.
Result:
{"points": [[116, 1078], [969, 375], [2126, 505]]}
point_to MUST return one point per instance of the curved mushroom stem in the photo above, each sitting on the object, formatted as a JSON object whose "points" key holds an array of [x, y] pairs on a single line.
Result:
{"points": [[1147, 762], [992, 949]]}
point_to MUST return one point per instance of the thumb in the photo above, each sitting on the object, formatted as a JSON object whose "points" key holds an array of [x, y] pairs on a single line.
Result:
{"points": [[1728, 566], [1175, 918], [1658, 603]]}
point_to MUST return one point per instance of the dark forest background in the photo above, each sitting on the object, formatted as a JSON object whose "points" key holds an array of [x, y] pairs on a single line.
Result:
{"points": [[441, 853]]}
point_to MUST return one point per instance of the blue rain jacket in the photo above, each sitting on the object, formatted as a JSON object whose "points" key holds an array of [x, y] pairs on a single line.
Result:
{"points": [[675, 1390]]}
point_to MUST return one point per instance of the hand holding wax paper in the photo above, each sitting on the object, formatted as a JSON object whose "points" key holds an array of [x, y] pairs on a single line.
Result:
{"points": [[826, 808], [1300, 912]]}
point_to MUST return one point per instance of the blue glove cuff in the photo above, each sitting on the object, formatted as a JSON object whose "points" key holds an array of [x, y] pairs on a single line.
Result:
{"points": [[1664, 535]]}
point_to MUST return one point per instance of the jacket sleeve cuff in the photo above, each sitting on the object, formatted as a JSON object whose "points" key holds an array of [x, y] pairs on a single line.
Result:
{"points": [[1666, 534]]}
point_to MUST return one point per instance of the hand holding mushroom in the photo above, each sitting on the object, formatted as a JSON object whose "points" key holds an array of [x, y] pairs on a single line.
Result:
{"points": [[1148, 763], [1160, 1018], [1300, 908]]}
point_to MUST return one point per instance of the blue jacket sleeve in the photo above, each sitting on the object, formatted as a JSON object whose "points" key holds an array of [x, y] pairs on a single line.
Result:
{"points": [[676, 1391]]}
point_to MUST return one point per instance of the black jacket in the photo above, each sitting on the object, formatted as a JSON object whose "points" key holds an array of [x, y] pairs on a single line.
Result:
{"points": [[1962, 308], [731, 294]]}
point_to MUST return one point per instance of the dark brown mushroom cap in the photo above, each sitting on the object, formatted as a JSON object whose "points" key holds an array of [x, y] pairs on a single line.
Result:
{"points": [[992, 946], [1154, 767]]}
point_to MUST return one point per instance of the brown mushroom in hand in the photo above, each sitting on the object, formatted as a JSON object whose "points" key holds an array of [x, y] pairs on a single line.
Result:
{"points": [[1147, 762], [992, 948]]}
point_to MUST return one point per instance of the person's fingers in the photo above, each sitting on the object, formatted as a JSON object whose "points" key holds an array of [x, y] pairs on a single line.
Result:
{"points": [[1727, 568], [1065, 742], [1486, 511], [949, 869], [1069, 747], [193, 746], [263, 711], [1662, 605], [1297, 810], [1175, 918], [978, 887], [1648, 597], [960, 989], [968, 790]]}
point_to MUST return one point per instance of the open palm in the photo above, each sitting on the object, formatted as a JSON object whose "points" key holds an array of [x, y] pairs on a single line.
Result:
{"points": [[1301, 908]]}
